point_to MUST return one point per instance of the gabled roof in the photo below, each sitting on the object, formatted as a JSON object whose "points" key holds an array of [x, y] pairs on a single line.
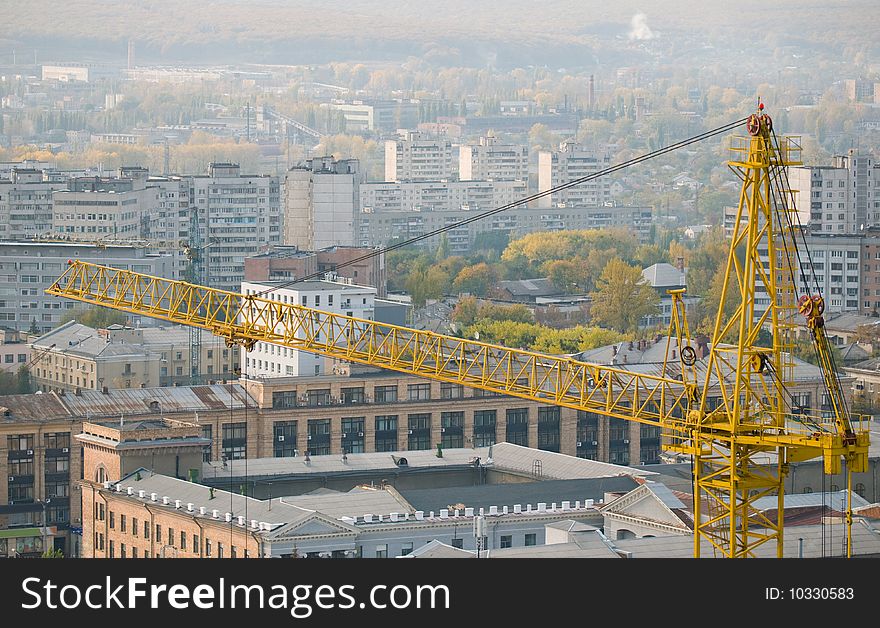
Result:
{"points": [[664, 275], [530, 287], [436, 549], [652, 502]]}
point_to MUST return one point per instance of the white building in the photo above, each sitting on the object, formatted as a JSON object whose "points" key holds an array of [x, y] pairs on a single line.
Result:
{"points": [[270, 360], [26, 204], [240, 215], [439, 195], [841, 198], [320, 201], [491, 159], [569, 163], [417, 157]]}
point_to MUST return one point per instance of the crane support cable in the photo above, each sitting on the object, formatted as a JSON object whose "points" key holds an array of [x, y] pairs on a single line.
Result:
{"points": [[528, 199]]}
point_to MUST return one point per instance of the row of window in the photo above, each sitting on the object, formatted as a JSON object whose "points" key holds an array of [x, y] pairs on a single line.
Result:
{"points": [[355, 395], [172, 539]]}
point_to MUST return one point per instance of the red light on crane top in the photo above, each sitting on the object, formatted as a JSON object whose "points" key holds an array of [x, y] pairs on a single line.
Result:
{"points": [[761, 106]]}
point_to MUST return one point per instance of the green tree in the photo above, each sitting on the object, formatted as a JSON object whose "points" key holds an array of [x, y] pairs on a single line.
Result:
{"points": [[476, 280], [98, 317], [622, 297]]}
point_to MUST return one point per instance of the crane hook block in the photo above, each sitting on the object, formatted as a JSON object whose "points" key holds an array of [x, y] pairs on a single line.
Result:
{"points": [[688, 356]]}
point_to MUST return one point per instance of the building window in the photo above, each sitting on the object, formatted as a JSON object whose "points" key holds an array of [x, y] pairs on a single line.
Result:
{"points": [[381, 551], [451, 391], [457, 542], [234, 441], [548, 428], [406, 549], [484, 428], [112, 520], [195, 543], [219, 549], [318, 397], [418, 392], [506, 541], [385, 394], [122, 550], [353, 395], [158, 533], [318, 438], [531, 539], [386, 432], [207, 548], [353, 435], [452, 429], [122, 523], [284, 442], [112, 549], [146, 530], [419, 431], [134, 526], [207, 432], [518, 426]]}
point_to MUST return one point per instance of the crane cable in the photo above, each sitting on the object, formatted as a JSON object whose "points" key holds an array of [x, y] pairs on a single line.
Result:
{"points": [[533, 197]]}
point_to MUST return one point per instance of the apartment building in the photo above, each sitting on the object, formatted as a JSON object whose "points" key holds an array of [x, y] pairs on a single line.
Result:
{"points": [[92, 208], [320, 203], [27, 269], [415, 156], [570, 162], [239, 215], [26, 203], [843, 197], [491, 159], [267, 359]]}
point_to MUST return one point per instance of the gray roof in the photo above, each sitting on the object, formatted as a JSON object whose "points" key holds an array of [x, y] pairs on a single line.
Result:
{"points": [[274, 511], [665, 495], [663, 275], [853, 352], [355, 463], [866, 541], [76, 339], [542, 287], [505, 457], [94, 403], [849, 321], [570, 525], [355, 503], [554, 466], [835, 500], [523, 493], [649, 361]]}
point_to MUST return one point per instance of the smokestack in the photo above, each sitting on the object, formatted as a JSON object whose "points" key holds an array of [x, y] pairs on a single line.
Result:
{"points": [[592, 92]]}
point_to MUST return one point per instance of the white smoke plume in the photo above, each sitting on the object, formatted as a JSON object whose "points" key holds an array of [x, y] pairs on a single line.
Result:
{"points": [[640, 30]]}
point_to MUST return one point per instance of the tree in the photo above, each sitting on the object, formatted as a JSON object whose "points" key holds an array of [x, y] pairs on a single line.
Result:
{"points": [[622, 298], [98, 317], [476, 280], [34, 330]]}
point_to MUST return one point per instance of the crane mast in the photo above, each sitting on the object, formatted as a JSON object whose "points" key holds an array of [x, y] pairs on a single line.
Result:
{"points": [[728, 441]]}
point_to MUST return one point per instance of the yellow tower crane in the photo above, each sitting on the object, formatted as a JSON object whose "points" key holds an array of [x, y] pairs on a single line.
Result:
{"points": [[756, 415]]}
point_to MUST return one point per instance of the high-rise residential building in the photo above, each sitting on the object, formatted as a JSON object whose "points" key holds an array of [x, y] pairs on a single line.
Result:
{"points": [[270, 360], [424, 196], [418, 157], [26, 204], [843, 197], [320, 203], [93, 208], [239, 215], [28, 268], [569, 163], [491, 159]]}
